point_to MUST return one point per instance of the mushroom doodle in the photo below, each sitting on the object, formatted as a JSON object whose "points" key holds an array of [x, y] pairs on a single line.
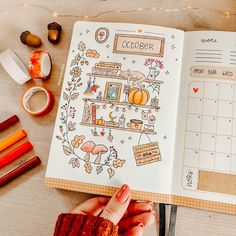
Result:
{"points": [[99, 150], [80, 150], [88, 148]]}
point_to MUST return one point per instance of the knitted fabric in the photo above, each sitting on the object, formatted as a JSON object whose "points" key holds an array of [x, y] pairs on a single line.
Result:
{"points": [[85, 225]]}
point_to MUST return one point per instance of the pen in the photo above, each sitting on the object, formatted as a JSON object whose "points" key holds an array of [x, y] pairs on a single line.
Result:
{"points": [[8, 122], [19, 151], [31, 163], [12, 139]]}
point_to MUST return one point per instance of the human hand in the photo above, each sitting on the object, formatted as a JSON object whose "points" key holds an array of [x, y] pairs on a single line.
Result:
{"points": [[131, 217]]}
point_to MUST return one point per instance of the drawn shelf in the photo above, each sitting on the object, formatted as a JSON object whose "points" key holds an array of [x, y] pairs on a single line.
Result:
{"points": [[119, 128], [120, 103], [123, 78]]}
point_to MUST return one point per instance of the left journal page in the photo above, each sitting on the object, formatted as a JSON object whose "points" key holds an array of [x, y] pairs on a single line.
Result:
{"points": [[117, 112]]}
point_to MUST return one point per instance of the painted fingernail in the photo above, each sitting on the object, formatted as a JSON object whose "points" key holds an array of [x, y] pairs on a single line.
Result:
{"points": [[123, 193]]}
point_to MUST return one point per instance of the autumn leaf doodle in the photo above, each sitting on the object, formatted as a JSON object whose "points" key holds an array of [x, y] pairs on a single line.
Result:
{"points": [[82, 152], [74, 162], [82, 55], [88, 168], [78, 139]]}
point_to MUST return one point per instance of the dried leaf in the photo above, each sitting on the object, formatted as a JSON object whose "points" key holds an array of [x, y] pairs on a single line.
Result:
{"points": [[118, 163], [88, 168], [99, 169], [81, 46], [67, 150], [74, 62], [71, 126], [74, 162], [77, 141], [74, 96], [111, 172], [65, 96]]}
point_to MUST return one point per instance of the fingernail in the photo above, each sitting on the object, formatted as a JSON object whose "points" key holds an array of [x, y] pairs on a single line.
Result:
{"points": [[154, 213], [123, 193]]}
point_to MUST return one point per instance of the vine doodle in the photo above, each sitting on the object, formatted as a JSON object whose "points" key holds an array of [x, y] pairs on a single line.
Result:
{"points": [[82, 152]]}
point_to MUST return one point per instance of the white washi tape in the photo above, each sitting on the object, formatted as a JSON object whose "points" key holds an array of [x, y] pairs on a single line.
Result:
{"points": [[14, 66]]}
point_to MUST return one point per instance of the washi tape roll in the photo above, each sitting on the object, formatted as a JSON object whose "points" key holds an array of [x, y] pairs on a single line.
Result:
{"points": [[30, 93], [14, 66], [40, 65]]}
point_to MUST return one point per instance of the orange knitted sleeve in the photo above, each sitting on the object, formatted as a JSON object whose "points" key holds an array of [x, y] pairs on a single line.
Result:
{"points": [[86, 225]]}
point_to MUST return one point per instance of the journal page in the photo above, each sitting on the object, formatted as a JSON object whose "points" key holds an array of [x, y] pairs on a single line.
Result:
{"points": [[117, 113], [205, 157]]}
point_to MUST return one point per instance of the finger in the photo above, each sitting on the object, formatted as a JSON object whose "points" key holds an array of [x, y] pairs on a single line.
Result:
{"points": [[138, 208], [134, 231], [93, 206], [118, 204], [146, 218]]}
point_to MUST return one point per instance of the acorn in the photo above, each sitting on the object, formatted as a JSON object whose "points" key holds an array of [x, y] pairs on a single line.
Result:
{"points": [[30, 39], [54, 32]]}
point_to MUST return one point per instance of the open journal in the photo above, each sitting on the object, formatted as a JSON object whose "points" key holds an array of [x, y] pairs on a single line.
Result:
{"points": [[152, 107]]}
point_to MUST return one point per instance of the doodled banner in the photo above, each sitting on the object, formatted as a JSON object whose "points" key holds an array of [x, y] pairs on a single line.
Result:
{"points": [[139, 45]]}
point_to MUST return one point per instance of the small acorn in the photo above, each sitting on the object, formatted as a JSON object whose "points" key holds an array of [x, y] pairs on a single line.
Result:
{"points": [[54, 32], [30, 39]]}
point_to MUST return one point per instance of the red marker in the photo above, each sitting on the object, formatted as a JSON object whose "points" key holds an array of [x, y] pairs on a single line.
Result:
{"points": [[19, 151], [8, 122], [31, 163]]}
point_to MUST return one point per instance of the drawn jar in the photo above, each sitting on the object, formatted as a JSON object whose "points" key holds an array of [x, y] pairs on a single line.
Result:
{"points": [[122, 121]]}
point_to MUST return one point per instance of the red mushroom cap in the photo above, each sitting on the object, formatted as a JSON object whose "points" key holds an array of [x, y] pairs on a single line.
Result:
{"points": [[99, 149], [88, 146]]}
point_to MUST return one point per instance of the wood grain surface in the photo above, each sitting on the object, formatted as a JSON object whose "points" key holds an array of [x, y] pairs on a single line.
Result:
{"points": [[27, 207]]}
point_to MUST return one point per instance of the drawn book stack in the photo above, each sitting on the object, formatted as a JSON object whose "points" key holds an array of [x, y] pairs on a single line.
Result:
{"points": [[152, 107]]}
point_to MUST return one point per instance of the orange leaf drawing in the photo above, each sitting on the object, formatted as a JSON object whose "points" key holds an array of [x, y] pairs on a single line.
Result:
{"points": [[67, 150], [78, 139], [88, 168], [118, 163]]}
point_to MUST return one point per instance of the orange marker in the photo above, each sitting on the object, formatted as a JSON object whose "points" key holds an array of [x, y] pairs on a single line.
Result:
{"points": [[12, 139]]}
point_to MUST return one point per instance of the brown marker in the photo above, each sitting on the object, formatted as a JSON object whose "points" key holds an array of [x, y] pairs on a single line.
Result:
{"points": [[31, 163]]}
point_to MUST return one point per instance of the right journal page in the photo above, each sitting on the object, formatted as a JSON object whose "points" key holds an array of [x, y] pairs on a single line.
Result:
{"points": [[204, 171]]}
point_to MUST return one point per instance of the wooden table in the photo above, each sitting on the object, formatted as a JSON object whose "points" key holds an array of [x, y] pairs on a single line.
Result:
{"points": [[27, 207]]}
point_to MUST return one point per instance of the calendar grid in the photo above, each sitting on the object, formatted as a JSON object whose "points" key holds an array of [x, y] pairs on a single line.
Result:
{"points": [[210, 131], [217, 110], [232, 133]]}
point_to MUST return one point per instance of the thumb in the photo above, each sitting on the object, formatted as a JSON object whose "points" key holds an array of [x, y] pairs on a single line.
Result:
{"points": [[117, 206]]}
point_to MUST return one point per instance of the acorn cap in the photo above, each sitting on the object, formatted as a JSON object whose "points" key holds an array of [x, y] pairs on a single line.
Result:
{"points": [[54, 26], [23, 36]]}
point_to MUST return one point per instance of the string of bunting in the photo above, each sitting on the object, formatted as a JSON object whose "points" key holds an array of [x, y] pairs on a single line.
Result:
{"points": [[226, 13], [118, 108]]}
